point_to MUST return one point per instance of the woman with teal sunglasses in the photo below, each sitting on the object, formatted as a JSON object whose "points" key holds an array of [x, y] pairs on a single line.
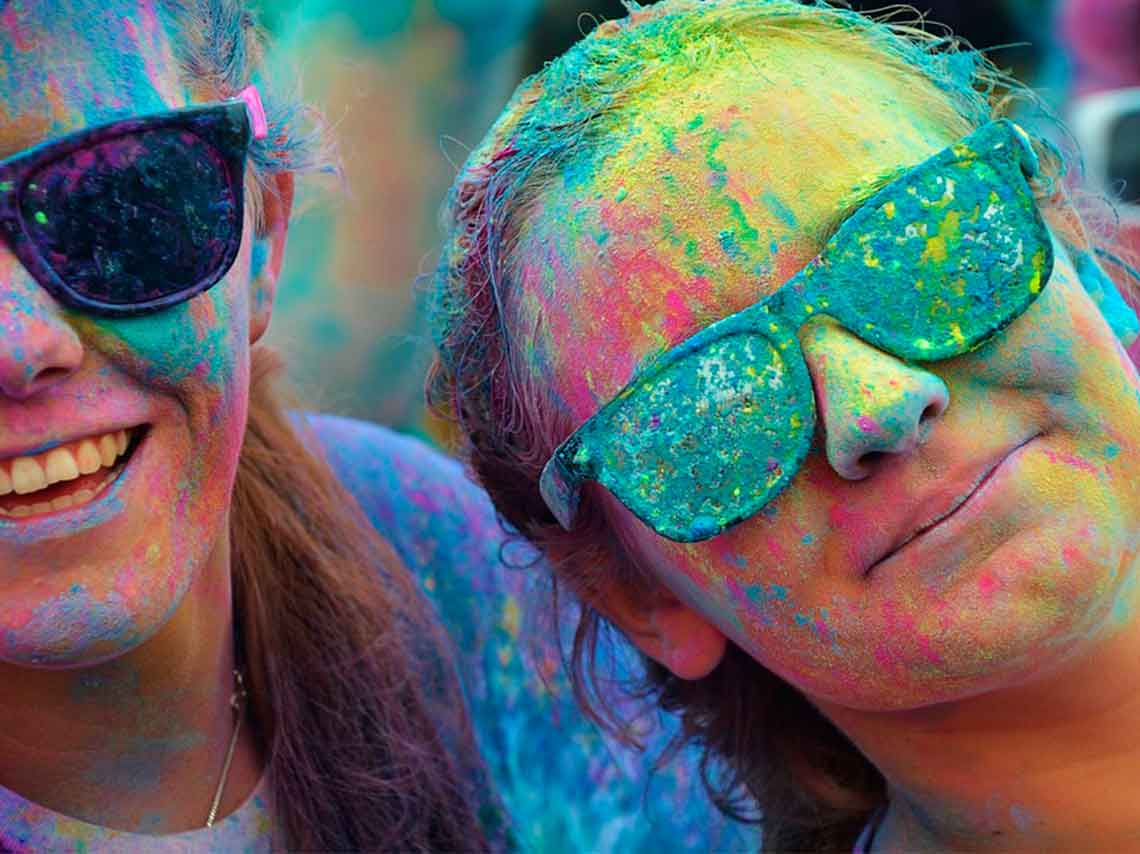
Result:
{"points": [[203, 644], [788, 350]]}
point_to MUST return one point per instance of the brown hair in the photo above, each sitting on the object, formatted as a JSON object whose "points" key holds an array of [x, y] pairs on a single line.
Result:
{"points": [[354, 697], [331, 623], [769, 755]]}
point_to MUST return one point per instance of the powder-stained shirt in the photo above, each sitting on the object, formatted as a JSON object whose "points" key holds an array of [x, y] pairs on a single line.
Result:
{"points": [[565, 785]]}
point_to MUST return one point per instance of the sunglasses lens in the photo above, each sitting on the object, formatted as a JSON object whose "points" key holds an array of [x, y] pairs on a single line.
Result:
{"points": [[135, 219], [943, 265], [709, 440]]}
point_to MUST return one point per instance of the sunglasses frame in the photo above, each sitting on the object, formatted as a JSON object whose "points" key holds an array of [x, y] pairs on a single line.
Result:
{"points": [[777, 319], [226, 126]]}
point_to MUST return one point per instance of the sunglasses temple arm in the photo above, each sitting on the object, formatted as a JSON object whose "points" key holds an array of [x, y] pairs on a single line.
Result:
{"points": [[561, 489], [253, 104], [1030, 161], [1117, 261]]}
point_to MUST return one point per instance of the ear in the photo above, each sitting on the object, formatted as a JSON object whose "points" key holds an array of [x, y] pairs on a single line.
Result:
{"points": [[667, 630], [268, 251]]}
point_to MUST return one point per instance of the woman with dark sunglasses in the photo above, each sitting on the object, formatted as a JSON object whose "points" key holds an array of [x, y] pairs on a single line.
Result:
{"points": [[787, 349], [151, 486]]}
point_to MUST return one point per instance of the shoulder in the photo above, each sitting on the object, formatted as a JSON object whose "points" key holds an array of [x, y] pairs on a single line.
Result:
{"points": [[423, 505], [442, 526], [421, 501], [375, 463], [565, 784]]}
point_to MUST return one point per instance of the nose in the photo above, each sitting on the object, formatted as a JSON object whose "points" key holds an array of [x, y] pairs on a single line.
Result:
{"points": [[870, 403], [38, 348]]}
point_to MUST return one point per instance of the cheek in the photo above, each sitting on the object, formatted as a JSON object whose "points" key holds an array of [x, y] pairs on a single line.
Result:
{"points": [[192, 365], [754, 581], [193, 349], [1038, 349], [1058, 340]]}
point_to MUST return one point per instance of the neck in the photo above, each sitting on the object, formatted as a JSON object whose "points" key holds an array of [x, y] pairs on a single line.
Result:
{"points": [[136, 743], [1046, 766]]}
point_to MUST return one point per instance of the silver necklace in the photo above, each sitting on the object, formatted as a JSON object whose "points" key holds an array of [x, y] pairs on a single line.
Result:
{"points": [[237, 704]]}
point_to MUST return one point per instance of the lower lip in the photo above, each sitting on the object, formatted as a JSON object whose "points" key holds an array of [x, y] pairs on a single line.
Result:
{"points": [[964, 515], [67, 522]]}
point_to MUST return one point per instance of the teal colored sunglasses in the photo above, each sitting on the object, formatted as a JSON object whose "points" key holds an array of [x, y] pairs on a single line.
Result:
{"points": [[931, 266]]}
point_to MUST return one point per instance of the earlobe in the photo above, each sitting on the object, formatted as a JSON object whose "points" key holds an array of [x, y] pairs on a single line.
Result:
{"points": [[268, 251], [668, 631]]}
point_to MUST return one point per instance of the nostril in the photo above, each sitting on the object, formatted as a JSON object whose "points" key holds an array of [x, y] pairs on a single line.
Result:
{"points": [[50, 375], [871, 459], [936, 406]]}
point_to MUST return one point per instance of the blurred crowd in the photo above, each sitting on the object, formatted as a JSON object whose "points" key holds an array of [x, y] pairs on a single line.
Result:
{"points": [[408, 85]]}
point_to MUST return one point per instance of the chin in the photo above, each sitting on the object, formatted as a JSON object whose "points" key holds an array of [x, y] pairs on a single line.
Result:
{"points": [[76, 630], [1041, 602], [95, 612]]}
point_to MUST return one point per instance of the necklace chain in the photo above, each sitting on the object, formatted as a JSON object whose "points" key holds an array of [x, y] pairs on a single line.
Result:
{"points": [[237, 704]]}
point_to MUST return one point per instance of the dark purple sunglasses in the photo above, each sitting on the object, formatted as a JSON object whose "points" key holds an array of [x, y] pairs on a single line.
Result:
{"points": [[137, 215]]}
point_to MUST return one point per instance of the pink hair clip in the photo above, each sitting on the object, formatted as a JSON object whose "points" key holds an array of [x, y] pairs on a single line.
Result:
{"points": [[256, 109]]}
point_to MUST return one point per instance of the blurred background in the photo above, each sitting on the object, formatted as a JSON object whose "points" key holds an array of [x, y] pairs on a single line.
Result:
{"points": [[408, 87]]}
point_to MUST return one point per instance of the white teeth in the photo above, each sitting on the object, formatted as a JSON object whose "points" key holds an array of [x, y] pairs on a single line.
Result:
{"points": [[61, 466], [87, 458], [28, 475], [64, 502], [108, 450]]}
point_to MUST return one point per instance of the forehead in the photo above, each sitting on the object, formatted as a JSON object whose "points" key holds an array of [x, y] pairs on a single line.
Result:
{"points": [[68, 64], [714, 197]]}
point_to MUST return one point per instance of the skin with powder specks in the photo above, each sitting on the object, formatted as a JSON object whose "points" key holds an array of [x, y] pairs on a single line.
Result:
{"points": [[962, 542], [147, 562]]}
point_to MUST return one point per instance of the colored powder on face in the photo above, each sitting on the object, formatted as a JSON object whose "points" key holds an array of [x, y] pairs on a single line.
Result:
{"points": [[180, 373], [73, 620], [923, 629], [1118, 314], [779, 209]]}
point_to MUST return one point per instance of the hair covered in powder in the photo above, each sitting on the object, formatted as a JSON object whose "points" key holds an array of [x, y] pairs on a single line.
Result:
{"points": [[766, 746], [221, 48]]}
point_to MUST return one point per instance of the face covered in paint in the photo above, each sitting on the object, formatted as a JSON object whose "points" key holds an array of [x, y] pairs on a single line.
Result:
{"points": [[959, 525], [91, 567]]}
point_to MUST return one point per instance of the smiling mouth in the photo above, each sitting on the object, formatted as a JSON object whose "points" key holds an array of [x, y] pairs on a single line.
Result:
{"points": [[66, 477]]}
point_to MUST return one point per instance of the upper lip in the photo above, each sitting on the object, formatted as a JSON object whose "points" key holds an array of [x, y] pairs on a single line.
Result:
{"points": [[7, 454], [932, 509]]}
